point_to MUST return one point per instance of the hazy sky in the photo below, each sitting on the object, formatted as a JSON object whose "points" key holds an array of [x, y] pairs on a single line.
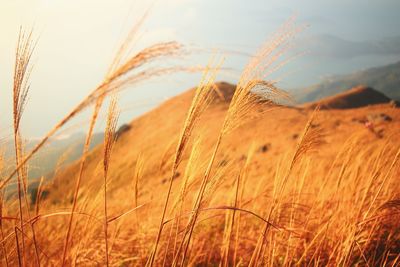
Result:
{"points": [[78, 39]]}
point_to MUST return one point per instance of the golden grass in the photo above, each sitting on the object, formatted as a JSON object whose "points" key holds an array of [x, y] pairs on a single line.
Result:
{"points": [[109, 140], [25, 47], [199, 103], [216, 206], [243, 100]]}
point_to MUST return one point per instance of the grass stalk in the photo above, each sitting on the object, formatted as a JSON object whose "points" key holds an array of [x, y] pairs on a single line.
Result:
{"points": [[199, 103], [109, 140]]}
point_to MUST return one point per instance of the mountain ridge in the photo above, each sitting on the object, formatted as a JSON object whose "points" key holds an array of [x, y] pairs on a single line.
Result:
{"points": [[385, 79], [356, 97]]}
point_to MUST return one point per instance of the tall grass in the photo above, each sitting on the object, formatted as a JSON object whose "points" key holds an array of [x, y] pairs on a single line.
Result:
{"points": [[117, 79], [198, 105], [243, 100], [221, 197], [109, 140], [22, 70]]}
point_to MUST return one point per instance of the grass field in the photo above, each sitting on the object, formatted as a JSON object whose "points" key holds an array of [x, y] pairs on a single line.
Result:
{"points": [[227, 175]]}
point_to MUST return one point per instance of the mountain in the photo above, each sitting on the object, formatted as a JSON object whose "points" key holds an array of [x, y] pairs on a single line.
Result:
{"points": [[385, 79], [153, 137], [55, 154], [356, 97]]}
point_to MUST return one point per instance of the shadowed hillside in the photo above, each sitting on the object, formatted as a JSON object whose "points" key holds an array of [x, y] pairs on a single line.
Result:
{"points": [[356, 97]]}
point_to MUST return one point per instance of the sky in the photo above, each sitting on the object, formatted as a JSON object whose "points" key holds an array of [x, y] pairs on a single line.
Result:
{"points": [[77, 41]]}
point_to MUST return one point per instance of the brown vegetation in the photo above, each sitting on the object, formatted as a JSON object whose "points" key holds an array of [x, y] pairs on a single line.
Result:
{"points": [[220, 175]]}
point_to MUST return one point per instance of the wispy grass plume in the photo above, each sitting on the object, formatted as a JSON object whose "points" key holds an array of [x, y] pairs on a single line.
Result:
{"points": [[128, 72], [22, 71], [109, 140]]}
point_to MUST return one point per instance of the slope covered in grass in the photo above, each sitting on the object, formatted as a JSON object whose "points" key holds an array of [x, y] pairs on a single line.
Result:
{"points": [[340, 190]]}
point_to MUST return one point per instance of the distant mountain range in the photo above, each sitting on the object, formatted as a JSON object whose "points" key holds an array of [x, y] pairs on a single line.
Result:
{"points": [[55, 154], [385, 79]]}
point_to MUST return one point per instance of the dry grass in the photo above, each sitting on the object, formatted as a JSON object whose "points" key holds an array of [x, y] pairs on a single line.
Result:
{"points": [[25, 47], [199, 103], [221, 201]]}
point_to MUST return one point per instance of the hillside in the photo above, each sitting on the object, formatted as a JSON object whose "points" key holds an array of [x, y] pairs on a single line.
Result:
{"points": [[155, 133], [346, 156], [385, 79]]}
